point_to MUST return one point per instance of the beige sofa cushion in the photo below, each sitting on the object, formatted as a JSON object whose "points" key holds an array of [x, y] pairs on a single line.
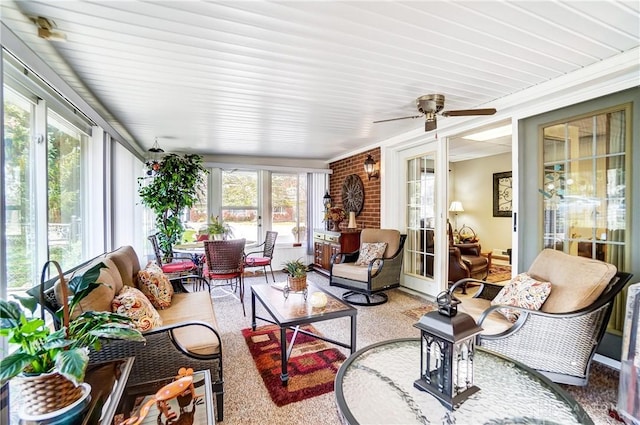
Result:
{"points": [[576, 281], [492, 324], [193, 306], [100, 298], [390, 236], [126, 260]]}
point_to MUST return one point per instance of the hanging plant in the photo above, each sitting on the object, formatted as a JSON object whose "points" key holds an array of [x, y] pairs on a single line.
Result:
{"points": [[175, 186]]}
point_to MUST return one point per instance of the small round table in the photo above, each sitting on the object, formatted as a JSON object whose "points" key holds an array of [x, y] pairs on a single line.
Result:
{"points": [[375, 386]]}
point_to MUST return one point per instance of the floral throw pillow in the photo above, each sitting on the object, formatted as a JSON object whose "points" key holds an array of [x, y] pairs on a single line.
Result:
{"points": [[155, 285], [132, 303], [369, 251], [523, 291]]}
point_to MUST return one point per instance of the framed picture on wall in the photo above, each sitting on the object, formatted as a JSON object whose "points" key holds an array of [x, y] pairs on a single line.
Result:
{"points": [[502, 194]]}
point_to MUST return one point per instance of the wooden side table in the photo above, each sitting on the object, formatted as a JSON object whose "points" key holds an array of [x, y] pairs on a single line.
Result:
{"points": [[107, 380], [488, 255]]}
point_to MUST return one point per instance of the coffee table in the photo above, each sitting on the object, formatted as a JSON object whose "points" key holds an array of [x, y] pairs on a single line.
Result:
{"points": [[375, 386], [296, 310]]}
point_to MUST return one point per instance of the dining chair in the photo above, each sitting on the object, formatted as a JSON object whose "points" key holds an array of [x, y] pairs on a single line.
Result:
{"points": [[181, 263], [224, 261], [262, 258]]}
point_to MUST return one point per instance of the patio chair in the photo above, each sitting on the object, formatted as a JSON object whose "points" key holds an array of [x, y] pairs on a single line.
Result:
{"points": [[262, 258], [224, 261], [181, 263], [366, 280], [561, 338]]}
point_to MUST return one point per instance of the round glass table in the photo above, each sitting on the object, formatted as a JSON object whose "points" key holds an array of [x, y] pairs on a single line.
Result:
{"points": [[375, 386]]}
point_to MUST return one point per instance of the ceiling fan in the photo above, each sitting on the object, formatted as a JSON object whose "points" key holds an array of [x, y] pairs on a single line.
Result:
{"points": [[431, 104]]}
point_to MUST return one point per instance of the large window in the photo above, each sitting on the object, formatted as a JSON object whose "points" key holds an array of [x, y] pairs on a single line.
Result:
{"points": [[584, 186], [45, 185], [64, 185], [18, 186], [289, 207], [240, 203]]}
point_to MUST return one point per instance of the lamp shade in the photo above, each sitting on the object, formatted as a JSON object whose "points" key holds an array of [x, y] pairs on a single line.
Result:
{"points": [[456, 206]]}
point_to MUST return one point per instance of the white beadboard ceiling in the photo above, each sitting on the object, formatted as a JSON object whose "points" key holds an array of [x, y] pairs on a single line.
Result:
{"points": [[306, 79]]}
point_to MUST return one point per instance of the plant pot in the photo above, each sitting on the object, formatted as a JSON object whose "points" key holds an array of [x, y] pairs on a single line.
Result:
{"points": [[47, 400], [218, 236], [297, 283]]}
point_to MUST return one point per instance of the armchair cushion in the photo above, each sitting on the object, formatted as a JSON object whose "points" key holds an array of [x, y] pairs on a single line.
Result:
{"points": [[369, 251], [390, 236], [522, 291], [351, 271], [577, 281]]}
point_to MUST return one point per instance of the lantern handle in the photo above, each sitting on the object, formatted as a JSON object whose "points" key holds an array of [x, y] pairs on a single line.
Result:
{"points": [[447, 304]]}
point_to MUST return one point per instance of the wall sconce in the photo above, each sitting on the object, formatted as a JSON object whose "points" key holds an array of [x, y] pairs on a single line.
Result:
{"points": [[370, 167]]}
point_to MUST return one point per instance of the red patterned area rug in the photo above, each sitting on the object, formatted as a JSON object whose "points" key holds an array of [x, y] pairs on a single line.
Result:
{"points": [[499, 273], [312, 365]]}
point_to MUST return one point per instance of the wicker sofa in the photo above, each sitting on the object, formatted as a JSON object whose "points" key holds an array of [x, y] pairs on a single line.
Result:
{"points": [[561, 338], [188, 337]]}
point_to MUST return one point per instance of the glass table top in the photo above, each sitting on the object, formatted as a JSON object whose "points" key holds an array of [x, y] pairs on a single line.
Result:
{"points": [[375, 386]]}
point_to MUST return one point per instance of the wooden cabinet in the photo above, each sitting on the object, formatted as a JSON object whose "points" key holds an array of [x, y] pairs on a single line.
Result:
{"points": [[327, 243]]}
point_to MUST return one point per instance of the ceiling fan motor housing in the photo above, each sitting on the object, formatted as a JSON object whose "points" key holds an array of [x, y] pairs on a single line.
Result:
{"points": [[430, 103]]}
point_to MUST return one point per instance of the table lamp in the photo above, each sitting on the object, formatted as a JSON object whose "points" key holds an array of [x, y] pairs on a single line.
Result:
{"points": [[456, 207]]}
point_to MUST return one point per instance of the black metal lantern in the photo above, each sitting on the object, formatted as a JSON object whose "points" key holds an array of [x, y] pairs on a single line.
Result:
{"points": [[326, 201], [447, 346]]}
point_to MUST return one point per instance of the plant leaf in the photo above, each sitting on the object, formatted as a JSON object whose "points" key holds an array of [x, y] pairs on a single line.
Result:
{"points": [[28, 302], [13, 364], [72, 364], [11, 312]]}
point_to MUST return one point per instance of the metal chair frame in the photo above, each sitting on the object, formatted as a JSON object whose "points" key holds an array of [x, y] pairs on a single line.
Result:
{"points": [[266, 254]]}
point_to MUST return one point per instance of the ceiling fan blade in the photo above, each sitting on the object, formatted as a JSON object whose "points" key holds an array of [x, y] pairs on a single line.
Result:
{"points": [[396, 119], [430, 124], [467, 112]]}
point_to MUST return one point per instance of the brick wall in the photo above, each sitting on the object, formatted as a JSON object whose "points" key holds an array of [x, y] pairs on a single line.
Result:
{"points": [[370, 215]]}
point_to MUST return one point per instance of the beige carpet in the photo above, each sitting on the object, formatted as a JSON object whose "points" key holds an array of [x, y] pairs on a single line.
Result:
{"points": [[246, 398]]}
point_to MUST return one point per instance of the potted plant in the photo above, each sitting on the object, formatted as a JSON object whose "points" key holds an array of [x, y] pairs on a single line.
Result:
{"points": [[297, 279], [55, 361], [173, 187], [218, 229], [335, 216]]}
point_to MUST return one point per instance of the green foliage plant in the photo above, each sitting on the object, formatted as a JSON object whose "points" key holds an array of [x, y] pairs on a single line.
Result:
{"points": [[218, 227], [65, 351], [174, 187], [295, 268]]}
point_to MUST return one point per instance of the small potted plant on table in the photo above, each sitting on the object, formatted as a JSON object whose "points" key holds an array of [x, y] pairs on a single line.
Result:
{"points": [[297, 279], [53, 363]]}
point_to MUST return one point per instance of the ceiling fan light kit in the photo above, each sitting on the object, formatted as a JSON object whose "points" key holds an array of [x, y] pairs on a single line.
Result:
{"points": [[430, 105]]}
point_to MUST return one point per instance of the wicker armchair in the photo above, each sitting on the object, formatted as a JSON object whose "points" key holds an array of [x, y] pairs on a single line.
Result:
{"points": [[224, 261], [366, 283], [559, 340]]}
